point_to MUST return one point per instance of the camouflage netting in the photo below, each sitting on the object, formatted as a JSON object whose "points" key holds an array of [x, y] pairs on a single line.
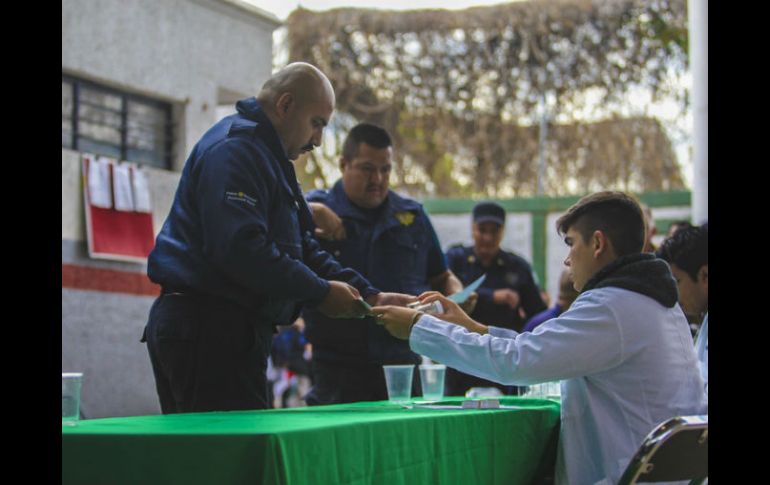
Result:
{"points": [[460, 91]]}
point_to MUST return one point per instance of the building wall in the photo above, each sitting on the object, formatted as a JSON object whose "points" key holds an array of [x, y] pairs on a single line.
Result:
{"points": [[197, 55]]}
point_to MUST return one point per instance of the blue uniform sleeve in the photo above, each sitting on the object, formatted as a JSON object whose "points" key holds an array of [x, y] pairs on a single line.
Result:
{"points": [[236, 190], [437, 262]]}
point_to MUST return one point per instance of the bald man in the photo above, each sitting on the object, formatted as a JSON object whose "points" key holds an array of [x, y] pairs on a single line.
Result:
{"points": [[236, 256]]}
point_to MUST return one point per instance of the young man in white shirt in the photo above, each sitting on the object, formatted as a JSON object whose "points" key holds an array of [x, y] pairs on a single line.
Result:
{"points": [[623, 350]]}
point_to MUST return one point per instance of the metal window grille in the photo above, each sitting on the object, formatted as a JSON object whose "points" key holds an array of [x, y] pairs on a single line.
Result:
{"points": [[113, 123]]}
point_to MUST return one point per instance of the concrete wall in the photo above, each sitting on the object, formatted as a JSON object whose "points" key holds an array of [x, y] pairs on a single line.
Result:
{"points": [[197, 55], [101, 327]]}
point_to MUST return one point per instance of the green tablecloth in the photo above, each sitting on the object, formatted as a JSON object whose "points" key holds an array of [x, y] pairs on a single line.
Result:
{"points": [[347, 444]]}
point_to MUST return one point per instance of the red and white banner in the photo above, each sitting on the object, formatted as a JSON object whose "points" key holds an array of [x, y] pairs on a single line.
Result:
{"points": [[115, 227]]}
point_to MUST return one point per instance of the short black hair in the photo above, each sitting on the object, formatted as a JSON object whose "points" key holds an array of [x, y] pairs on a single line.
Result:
{"points": [[688, 248], [618, 215], [372, 135]]}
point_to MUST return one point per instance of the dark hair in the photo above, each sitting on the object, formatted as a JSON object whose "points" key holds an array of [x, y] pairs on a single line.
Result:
{"points": [[616, 214], [688, 248], [679, 224], [372, 135]]}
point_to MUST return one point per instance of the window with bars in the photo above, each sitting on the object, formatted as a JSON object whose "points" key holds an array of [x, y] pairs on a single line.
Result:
{"points": [[104, 121]]}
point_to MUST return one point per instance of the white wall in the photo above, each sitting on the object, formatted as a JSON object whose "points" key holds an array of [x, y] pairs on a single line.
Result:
{"points": [[196, 54]]}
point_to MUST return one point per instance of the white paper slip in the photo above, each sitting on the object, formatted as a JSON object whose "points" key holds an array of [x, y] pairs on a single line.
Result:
{"points": [[141, 190], [458, 406], [99, 182], [121, 184]]}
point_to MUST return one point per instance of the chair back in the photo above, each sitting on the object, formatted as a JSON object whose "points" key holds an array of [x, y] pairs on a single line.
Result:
{"points": [[675, 450]]}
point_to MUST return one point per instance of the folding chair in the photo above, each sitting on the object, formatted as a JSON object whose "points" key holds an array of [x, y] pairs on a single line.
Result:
{"points": [[676, 450]]}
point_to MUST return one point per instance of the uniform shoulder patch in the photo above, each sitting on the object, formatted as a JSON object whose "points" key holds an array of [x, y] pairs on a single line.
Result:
{"points": [[406, 218], [241, 197]]}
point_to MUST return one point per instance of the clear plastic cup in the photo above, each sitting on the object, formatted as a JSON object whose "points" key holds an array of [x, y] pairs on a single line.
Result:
{"points": [[398, 379], [70, 397], [432, 381]]}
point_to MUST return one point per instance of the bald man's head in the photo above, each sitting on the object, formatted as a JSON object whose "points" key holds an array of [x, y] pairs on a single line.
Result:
{"points": [[299, 101]]}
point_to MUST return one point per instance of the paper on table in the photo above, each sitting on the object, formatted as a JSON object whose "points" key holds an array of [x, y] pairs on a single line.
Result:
{"points": [[461, 296], [428, 405]]}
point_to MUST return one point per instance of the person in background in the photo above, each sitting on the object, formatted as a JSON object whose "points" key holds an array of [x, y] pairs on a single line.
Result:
{"points": [[389, 239], [508, 291], [567, 294], [236, 257], [622, 351], [687, 252], [675, 226], [291, 356]]}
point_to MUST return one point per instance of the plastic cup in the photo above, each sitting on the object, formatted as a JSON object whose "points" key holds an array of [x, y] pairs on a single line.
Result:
{"points": [[432, 380], [398, 379], [70, 397]]}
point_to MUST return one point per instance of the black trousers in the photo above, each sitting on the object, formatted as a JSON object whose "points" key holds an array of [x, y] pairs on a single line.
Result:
{"points": [[207, 354], [336, 383]]}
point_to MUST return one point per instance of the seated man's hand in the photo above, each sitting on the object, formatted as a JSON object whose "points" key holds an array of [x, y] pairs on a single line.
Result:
{"points": [[385, 298], [396, 319], [342, 302], [328, 225], [452, 312], [506, 296]]}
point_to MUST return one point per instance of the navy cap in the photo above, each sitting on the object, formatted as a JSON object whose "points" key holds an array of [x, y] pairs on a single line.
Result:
{"points": [[489, 212]]}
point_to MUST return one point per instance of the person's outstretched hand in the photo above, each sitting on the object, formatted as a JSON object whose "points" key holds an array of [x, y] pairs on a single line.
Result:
{"points": [[452, 312], [342, 302], [396, 319]]}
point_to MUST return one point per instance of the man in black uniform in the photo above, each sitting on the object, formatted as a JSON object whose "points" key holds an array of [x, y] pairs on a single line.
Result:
{"points": [[508, 288], [236, 256]]}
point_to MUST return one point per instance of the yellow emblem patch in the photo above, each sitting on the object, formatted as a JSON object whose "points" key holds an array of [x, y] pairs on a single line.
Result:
{"points": [[406, 218]]}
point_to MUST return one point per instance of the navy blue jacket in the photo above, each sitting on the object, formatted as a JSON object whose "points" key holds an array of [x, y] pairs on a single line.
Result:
{"points": [[239, 227], [398, 252], [506, 271]]}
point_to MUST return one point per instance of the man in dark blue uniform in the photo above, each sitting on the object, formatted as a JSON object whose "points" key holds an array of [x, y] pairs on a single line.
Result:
{"points": [[508, 288], [236, 256], [388, 239]]}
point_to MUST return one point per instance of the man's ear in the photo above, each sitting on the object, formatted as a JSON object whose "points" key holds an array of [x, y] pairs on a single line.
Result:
{"points": [[599, 244], [283, 104], [703, 274], [343, 162]]}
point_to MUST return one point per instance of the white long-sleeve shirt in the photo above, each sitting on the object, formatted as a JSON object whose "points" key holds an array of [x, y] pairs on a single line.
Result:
{"points": [[626, 364]]}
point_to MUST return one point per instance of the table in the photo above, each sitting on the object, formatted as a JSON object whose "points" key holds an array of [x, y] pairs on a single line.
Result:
{"points": [[347, 444]]}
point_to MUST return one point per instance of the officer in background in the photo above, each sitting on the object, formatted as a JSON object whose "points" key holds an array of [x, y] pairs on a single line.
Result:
{"points": [[387, 238], [508, 288]]}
